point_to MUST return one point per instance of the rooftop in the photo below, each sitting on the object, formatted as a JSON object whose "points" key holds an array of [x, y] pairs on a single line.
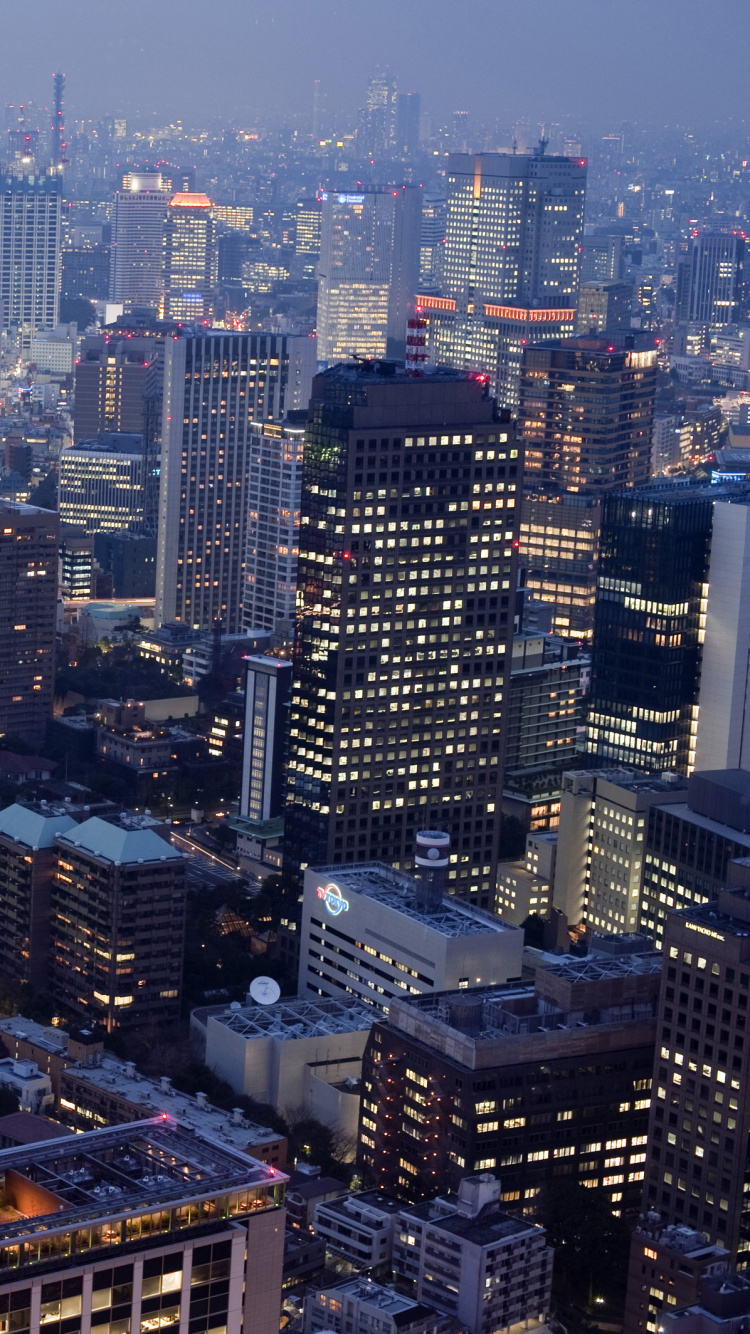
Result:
{"points": [[397, 891], [385, 1299], [489, 1227], [109, 442], [118, 844], [290, 1019], [31, 827], [123, 1171], [364, 1200]]}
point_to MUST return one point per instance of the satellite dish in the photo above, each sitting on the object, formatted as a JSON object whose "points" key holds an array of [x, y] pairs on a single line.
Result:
{"points": [[264, 990]]}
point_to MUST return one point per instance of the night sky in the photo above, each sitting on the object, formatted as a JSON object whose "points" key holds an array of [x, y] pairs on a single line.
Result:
{"points": [[599, 61]]}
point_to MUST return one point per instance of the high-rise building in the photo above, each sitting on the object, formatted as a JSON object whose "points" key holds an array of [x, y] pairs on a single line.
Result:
{"points": [[118, 923], [668, 1262], [268, 690], [711, 286], [697, 1172], [215, 386], [131, 1246], [723, 740], [408, 510], [601, 257], [649, 626], [604, 307], [110, 382], [510, 275], [368, 271], [85, 272], [28, 864], [432, 244], [189, 259], [408, 117], [101, 483], [30, 231], [587, 412], [28, 595], [559, 551], [274, 495], [137, 262], [532, 1081], [379, 126], [308, 220]]}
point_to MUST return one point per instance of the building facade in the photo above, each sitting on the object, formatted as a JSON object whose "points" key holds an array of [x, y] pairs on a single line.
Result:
{"points": [[559, 552], [28, 864], [409, 508], [110, 381], [268, 693], [215, 385], [368, 271], [28, 596], [118, 923], [30, 231], [101, 486], [137, 258], [189, 259], [274, 496]]}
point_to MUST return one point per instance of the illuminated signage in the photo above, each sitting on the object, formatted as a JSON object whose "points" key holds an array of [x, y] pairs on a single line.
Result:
{"points": [[526, 315], [351, 199], [333, 899], [704, 930]]}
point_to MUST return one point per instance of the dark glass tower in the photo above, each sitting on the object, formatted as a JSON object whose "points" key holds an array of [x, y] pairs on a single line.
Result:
{"points": [[652, 587], [405, 617]]}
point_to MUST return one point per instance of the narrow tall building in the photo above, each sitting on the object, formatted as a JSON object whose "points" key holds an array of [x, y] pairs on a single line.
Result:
{"points": [[405, 618], [189, 259], [514, 229], [28, 598], [273, 495], [368, 271], [30, 231], [137, 258], [216, 385]]}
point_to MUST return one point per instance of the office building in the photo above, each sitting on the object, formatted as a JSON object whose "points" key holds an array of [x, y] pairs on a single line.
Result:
{"points": [[380, 115], [110, 382], [711, 280], [359, 1306], [53, 351], [721, 1307], [274, 496], [301, 1052], [268, 693], [378, 744], [307, 233], [28, 863], [601, 257], [84, 272], [604, 817], [189, 259], [548, 685], [649, 626], [525, 886], [397, 934], [723, 740], [102, 483], [559, 551], [510, 274], [529, 1081], [447, 1246], [359, 1229], [76, 569], [697, 1172], [137, 259], [669, 1263], [205, 463], [587, 412], [30, 228], [604, 307], [368, 271], [690, 844], [94, 1232], [118, 923], [432, 244], [130, 559], [28, 596], [111, 1092], [408, 116]]}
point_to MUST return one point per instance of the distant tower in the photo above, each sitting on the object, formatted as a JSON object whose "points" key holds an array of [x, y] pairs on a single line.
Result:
{"points": [[58, 121]]}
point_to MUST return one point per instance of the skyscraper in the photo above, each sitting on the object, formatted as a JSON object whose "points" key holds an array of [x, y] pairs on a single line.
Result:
{"points": [[368, 271], [273, 513], [267, 695], [711, 285], [405, 614], [379, 128], [30, 222], [408, 114], [215, 386], [28, 597], [649, 626], [189, 259], [137, 259], [513, 236], [587, 409]]}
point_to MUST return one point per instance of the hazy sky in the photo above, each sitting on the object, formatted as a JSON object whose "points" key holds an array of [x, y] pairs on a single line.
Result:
{"points": [[599, 60]]}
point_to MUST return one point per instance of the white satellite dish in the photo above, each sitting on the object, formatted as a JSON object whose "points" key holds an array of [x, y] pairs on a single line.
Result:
{"points": [[264, 990]]}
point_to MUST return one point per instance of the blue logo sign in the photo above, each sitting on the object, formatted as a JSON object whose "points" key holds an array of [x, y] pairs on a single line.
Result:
{"points": [[333, 899]]}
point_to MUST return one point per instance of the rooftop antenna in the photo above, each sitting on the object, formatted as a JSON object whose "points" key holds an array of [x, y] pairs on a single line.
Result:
{"points": [[515, 145], [58, 123]]}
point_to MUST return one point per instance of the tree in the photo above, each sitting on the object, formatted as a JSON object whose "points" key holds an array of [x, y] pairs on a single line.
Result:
{"points": [[8, 1100], [591, 1245], [77, 310], [533, 931]]}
